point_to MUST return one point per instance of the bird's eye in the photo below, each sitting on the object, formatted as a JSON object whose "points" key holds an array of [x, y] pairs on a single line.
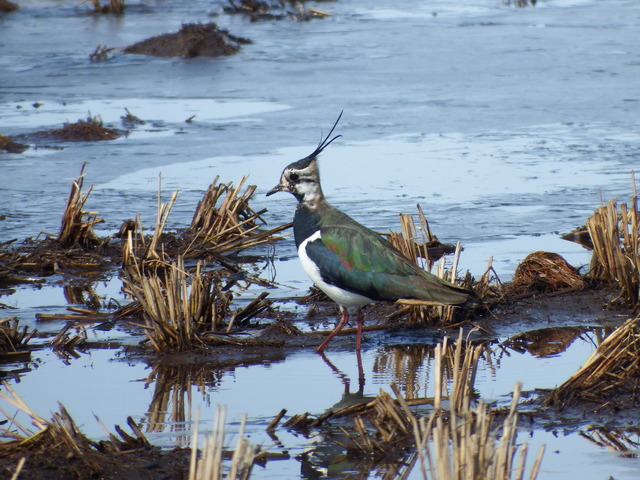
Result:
{"points": [[294, 176]]}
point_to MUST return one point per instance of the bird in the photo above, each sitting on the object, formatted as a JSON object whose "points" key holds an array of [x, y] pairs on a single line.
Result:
{"points": [[350, 263]]}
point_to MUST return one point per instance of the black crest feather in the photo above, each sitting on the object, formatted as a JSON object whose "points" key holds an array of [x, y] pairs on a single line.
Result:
{"points": [[324, 143]]}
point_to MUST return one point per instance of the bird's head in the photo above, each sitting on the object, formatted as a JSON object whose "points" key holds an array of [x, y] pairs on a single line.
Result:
{"points": [[302, 178]]}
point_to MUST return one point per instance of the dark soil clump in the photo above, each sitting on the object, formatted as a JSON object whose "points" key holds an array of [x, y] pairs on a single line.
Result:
{"points": [[193, 40], [141, 464], [7, 6], [89, 130], [8, 145]]}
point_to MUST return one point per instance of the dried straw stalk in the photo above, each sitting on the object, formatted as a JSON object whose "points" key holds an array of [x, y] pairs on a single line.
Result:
{"points": [[616, 246], [210, 465], [74, 230], [58, 436], [233, 225], [175, 308], [456, 442], [466, 448], [418, 243], [613, 367], [13, 339]]}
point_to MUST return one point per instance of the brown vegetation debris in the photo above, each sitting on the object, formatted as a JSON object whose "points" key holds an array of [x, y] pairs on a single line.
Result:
{"points": [[8, 145], [458, 439], [183, 309], [415, 311], [545, 342], [224, 221], [519, 3], [545, 272], [114, 6], [57, 449], [616, 440], [610, 375], [13, 339], [193, 40], [90, 130], [130, 120], [259, 10], [615, 234], [7, 6], [100, 54], [75, 231]]}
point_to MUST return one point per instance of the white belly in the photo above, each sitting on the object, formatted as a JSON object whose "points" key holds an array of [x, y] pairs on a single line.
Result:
{"points": [[345, 299]]}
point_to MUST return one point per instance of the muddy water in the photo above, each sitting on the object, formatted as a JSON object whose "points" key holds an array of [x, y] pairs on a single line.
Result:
{"points": [[507, 125]]}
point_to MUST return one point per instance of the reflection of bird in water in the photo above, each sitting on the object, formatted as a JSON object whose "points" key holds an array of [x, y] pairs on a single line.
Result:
{"points": [[352, 264], [328, 458], [348, 399]]}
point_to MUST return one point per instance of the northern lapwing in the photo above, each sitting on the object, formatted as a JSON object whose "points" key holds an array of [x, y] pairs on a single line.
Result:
{"points": [[349, 262]]}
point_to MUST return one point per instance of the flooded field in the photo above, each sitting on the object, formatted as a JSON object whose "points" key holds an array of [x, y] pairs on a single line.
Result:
{"points": [[508, 126]]}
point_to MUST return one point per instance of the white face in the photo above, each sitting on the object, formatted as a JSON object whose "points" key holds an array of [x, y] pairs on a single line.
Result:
{"points": [[303, 183]]}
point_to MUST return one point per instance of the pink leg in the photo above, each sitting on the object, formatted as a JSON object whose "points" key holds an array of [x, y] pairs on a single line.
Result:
{"points": [[360, 319], [342, 323]]}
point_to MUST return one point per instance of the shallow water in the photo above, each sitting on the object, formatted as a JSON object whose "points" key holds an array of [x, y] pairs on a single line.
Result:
{"points": [[506, 125]]}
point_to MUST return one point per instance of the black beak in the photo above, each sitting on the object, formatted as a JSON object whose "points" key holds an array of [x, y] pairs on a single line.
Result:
{"points": [[276, 189]]}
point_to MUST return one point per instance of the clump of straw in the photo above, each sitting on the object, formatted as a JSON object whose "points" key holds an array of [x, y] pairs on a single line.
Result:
{"points": [[546, 272], [177, 306], [224, 221], [609, 377], [75, 231], [58, 438], [615, 233], [13, 339], [457, 441], [210, 465], [424, 253]]}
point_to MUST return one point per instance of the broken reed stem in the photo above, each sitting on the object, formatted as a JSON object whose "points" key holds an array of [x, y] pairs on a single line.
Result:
{"points": [[406, 242], [616, 245], [456, 442], [74, 231], [59, 436], [233, 218], [210, 464], [613, 366], [161, 221]]}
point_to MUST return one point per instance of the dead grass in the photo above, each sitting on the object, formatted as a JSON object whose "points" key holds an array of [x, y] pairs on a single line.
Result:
{"points": [[76, 231], [457, 440], [545, 272], [417, 242], [13, 339], [90, 130], [186, 310], [9, 145], [259, 10], [614, 439], [55, 442], [57, 449], [209, 466], [114, 6], [615, 232], [610, 375], [466, 446], [224, 221], [176, 305]]}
